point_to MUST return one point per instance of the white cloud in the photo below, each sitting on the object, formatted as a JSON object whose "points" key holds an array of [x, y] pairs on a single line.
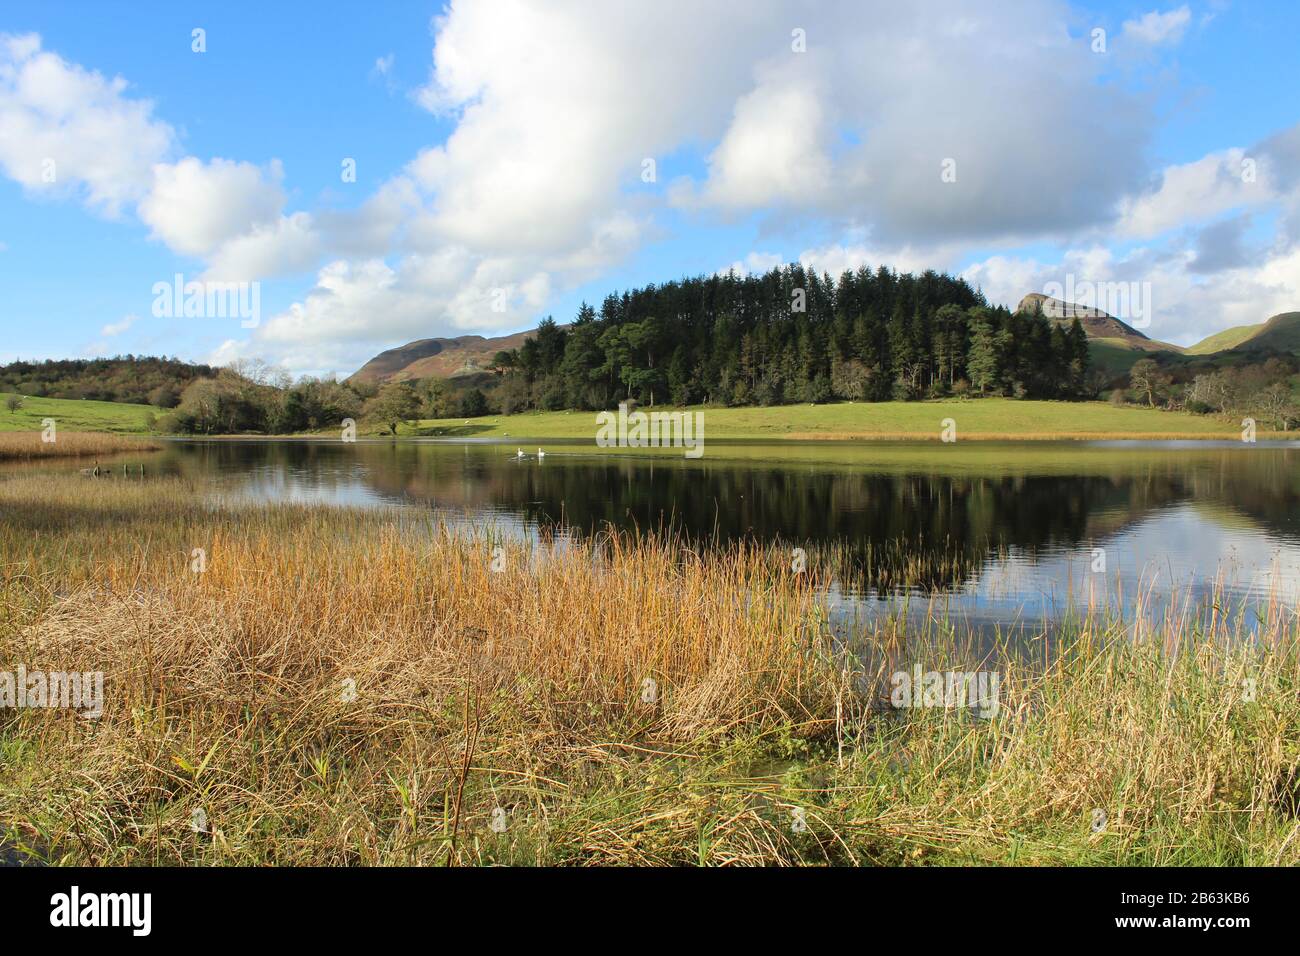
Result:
{"points": [[286, 246], [195, 206], [558, 105], [1185, 306], [117, 328], [858, 130], [1155, 28], [555, 108], [755, 263], [357, 307], [62, 122], [836, 258], [382, 72], [776, 148], [1195, 192], [65, 130]]}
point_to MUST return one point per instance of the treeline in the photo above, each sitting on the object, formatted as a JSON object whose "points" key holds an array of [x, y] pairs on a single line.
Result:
{"points": [[791, 335], [136, 379], [254, 397], [1260, 390]]}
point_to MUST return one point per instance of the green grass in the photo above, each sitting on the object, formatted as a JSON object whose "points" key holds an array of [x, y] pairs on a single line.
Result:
{"points": [[1281, 333], [987, 419], [992, 418], [1227, 339], [1114, 356], [74, 415]]}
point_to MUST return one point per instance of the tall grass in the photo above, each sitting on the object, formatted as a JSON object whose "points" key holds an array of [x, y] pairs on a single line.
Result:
{"points": [[359, 687], [29, 446]]}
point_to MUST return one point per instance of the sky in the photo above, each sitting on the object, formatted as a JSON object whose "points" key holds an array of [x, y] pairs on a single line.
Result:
{"points": [[357, 176]]}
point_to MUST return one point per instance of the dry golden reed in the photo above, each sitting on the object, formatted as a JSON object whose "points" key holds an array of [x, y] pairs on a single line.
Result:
{"points": [[341, 686], [29, 446]]}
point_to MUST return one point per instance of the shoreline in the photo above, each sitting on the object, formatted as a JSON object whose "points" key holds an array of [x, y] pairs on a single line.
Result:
{"points": [[481, 714], [1267, 439]]}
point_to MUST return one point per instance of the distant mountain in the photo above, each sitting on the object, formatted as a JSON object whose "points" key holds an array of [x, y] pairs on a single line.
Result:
{"points": [[436, 358], [1222, 341], [1243, 343], [1281, 333], [1099, 326]]}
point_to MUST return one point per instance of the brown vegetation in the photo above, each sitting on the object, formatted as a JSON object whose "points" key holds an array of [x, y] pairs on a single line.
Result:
{"points": [[28, 446]]}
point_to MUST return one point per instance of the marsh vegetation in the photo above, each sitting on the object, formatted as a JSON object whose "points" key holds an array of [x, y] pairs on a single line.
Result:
{"points": [[371, 686]]}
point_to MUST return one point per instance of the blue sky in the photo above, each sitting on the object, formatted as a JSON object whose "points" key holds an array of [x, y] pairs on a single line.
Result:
{"points": [[500, 146]]}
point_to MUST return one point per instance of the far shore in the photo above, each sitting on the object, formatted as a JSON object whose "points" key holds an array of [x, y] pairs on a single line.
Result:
{"points": [[965, 420]]}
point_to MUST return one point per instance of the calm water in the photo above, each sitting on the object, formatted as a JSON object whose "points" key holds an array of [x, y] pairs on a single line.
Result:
{"points": [[1002, 533]]}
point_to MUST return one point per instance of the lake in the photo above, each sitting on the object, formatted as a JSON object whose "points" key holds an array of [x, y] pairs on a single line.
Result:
{"points": [[993, 535]]}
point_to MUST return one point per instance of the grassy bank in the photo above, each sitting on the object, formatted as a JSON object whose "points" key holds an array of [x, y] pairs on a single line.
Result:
{"points": [[991, 419], [347, 687], [75, 415], [982, 419], [29, 446]]}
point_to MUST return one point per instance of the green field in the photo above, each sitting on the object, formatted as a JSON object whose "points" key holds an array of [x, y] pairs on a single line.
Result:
{"points": [[75, 416], [991, 418]]}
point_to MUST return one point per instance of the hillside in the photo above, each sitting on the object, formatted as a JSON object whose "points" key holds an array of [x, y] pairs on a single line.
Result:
{"points": [[436, 358], [1222, 341], [1281, 333], [130, 379], [74, 415], [1099, 326]]}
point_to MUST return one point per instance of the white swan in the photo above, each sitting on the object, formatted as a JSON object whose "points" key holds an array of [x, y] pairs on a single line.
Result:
{"points": [[519, 453], [540, 453]]}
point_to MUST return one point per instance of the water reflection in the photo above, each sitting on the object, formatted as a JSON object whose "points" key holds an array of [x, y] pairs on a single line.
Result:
{"points": [[1002, 532]]}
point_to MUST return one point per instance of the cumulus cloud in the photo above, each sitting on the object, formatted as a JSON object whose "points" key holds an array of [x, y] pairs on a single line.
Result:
{"points": [[776, 147], [230, 213], [556, 108], [1195, 191], [861, 128], [558, 105], [1155, 28], [1265, 176], [1183, 306], [356, 307], [195, 206], [833, 259], [283, 246], [67, 130], [1222, 246]]}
